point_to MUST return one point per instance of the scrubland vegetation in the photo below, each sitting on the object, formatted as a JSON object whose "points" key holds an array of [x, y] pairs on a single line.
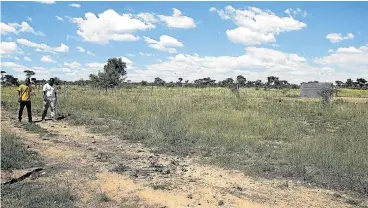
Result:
{"points": [[263, 133]]}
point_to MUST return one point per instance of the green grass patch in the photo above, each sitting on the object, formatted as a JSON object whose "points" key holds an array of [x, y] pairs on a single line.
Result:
{"points": [[15, 155], [36, 194]]}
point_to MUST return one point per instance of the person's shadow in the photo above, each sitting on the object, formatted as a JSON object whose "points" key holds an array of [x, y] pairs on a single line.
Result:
{"points": [[49, 119]]}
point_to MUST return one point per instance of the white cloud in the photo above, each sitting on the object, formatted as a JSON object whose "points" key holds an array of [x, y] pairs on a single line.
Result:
{"points": [[113, 29], [166, 43], [80, 49], [351, 58], [16, 58], [248, 37], [47, 59], [25, 27], [8, 47], [337, 37], [177, 20], [43, 47], [27, 58], [90, 53], [62, 48], [11, 65], [95, 66], [256, 63], [75, 5], [5, 28], [73, 65], [46, 1], [145, 54], [330, 50], [147, 17], [59, 18], [131, 55], [293, 13], [29, 19], [255, 26]]}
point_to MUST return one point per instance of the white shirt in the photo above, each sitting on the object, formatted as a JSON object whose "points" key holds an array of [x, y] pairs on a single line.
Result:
{"points": [[50, 91]]}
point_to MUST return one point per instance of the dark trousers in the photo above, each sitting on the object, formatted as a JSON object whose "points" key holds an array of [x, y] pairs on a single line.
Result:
{"points": [[29, 111]]}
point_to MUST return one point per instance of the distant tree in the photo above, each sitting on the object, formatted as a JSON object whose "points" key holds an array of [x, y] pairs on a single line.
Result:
{"points": [[241, 80], [29, 73], [272, 80], [339, 83], [158, 81], [58, 81], [229, 82], [180, 80], [361, 82], [114, 72], [2, 76], [186, 81], [204, 82], [349, 83], [144, 83], [94, 80], [9, 79]]}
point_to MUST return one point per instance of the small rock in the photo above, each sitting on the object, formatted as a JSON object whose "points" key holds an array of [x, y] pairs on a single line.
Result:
{"points": [[190, 196], [93, 141], [220, 203], [92, 137], [140, 151], [184, 170], [52, 126], [239, 188], [28, 146], [89, 148], [64, 126], [135, 157]]}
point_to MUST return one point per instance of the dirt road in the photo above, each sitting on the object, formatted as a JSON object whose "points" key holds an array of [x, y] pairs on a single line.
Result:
{"points": [[93, 164]]}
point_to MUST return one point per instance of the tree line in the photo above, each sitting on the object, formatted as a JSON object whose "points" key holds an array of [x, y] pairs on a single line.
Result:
{"points": [[114, 74]]}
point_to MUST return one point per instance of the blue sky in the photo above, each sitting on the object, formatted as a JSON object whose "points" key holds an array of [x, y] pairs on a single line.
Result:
{"points": [[297, 41]]}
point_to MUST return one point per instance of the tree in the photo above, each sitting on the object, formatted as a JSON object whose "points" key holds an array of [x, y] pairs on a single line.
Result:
{"points": [[144, 83], [29, 73], [57, 81], [339, 83], [241, 80], [114, 72], [94, 79], [158, 81], [361, 82], [2, 76], [227, 82], [9, 79], [272, 80], [349, 83]]}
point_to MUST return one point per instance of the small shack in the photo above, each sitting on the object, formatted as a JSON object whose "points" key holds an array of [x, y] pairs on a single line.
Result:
{"points": [[316, 90]]}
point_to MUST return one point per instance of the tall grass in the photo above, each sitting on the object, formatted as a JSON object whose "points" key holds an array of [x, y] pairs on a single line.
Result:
{"points": [[264, 133]]}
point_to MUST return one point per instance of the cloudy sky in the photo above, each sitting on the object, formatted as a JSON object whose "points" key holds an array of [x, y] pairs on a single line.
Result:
{"points": [[296, 41]]}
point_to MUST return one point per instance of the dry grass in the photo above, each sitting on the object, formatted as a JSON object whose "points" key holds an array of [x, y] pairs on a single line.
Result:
{"points": [[264, 133]]}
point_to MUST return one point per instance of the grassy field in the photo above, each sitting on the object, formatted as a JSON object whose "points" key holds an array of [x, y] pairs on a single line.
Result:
{"points": [[263, 133]]}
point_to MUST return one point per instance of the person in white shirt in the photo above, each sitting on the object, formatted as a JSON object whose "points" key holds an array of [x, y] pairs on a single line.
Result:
{"points": [[49, 98]]}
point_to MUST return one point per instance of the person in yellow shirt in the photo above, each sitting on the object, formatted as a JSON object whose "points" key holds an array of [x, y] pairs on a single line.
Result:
{"points": [[24, 99]]}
